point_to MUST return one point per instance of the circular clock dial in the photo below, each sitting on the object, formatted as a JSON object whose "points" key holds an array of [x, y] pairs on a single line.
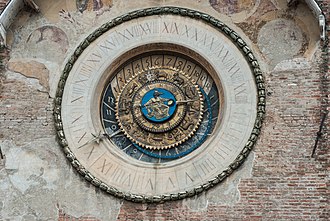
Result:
{"points": [[159, 104], [163, 109]]}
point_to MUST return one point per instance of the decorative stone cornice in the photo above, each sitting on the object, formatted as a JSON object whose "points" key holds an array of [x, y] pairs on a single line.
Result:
{"points": [[7, 17], [9, 14], [315, 8]]}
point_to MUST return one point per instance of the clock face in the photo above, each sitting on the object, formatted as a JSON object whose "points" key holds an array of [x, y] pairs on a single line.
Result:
{"points": [[159, 104], [166, 105]]}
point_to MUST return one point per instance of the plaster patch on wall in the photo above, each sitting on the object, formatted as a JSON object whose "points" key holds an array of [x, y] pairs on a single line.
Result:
{"points": [[96, 203], [28, 166], [54, 75], [293, 64], [13, 207], [40, 74], [36, 181], [30, 82], [28, 181], [197, 203], [284, 34], [37, 39], [226, 193], [34, 73]]}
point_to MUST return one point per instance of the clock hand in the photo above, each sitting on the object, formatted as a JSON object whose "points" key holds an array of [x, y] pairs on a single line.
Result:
{"points": [[177, 102], [113, 134], [90, 141], [99, 137], [185, 101]]}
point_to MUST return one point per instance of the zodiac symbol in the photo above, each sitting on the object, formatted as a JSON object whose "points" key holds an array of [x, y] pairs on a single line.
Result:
{"points": [[150, 75], [124, 106], [190, 91], [132, 90], [186, 124], [177, 79], [142, 78], [161, 75]]}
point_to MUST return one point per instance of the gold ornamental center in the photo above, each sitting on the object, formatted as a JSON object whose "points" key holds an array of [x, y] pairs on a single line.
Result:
{"points": [[159, 108]]}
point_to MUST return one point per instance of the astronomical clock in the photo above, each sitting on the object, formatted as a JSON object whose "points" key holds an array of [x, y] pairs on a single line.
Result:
{"points": [[159, 104]]}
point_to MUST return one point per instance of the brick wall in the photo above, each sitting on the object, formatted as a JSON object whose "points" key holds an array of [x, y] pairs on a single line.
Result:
{"points": [[285, 184], [325, 90]]}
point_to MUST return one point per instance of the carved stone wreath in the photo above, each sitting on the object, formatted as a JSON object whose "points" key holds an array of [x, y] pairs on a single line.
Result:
{"points": [[192, 14]]}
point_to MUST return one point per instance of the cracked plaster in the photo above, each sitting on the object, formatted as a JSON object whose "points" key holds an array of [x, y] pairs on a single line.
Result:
{"points": [[36, 178], [293, 64], [31, 70], [40, 74], [225, 194]]}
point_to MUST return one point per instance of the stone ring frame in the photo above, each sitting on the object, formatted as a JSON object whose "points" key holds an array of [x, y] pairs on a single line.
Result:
{"points": [[175, 11]]}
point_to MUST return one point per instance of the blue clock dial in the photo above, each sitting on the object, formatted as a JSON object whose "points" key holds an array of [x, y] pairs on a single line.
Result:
{"points": [[165, 103]]}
